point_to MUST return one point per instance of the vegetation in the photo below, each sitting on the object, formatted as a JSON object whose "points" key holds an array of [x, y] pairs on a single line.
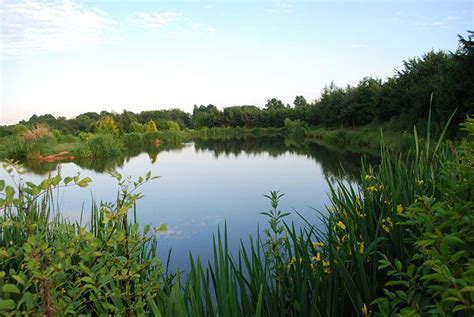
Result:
{"points": [[400, 242]]}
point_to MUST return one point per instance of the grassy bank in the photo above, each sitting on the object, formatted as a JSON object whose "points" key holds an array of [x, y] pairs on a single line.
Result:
{"points": [[362, 140], [399, 243], [41, 144]]}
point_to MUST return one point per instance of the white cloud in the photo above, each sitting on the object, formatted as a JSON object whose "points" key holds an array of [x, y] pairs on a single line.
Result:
{"points": [[172, 21], [155, 19], [34, 26]]}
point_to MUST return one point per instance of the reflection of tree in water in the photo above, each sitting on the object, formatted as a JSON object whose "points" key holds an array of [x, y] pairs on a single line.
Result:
{"points": [[40, 168], [101, 165], [333, 162]]}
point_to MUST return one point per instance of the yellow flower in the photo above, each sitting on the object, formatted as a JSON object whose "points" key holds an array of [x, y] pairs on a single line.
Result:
{"points": [[341, 225], [387, 224], [318, 244], [326, 267], [399, 209], [317, 257], [370, 177], [364, 310], [361, 248], [372, 189], [292, 260], [419, 181]]}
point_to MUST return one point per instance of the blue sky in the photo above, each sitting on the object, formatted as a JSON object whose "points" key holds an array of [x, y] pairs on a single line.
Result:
{"points": [[69, 57]]}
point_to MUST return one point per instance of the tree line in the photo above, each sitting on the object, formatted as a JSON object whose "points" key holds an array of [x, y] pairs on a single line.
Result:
{"points": [[401, 100]]}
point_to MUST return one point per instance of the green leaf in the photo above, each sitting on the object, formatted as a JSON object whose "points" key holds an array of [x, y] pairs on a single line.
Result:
{"points": [[10, 288], [19, 279], [7, 304], [85, 182], [9, 191], [2, 184], [161, 228]]}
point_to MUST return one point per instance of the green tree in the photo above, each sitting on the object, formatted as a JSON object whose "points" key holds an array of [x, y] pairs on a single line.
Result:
{"points": [[274, 104], [172, 126], [136, 127], [300, 102], [151, 126], [107, 125]]}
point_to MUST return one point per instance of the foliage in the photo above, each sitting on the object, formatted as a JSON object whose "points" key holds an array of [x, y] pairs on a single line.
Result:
{"points": [[52, 267], [107, 125], [19, 129], [134, 140], [150, 127], [104, 145], [137, 127], [295, 129]]}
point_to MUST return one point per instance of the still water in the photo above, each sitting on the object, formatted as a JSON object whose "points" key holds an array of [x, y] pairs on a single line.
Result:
{"points": [[205, 184]]}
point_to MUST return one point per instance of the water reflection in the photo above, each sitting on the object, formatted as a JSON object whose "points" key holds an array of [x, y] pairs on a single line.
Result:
{"points": [[334, 162]]}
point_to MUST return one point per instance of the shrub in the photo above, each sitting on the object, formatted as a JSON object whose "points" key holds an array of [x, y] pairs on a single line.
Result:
{"points": [[38, 132], [50, 267], [295, 129], [134, 140], [19, 129], [105, 145]]}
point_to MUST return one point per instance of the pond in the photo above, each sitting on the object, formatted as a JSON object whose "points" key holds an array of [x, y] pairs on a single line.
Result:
{"points": [[207, 183]]}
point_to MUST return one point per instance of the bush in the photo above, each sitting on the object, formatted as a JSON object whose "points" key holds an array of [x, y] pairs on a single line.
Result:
{"points": [[50, 267], [295, 129], [134, 140], [105, 145]]}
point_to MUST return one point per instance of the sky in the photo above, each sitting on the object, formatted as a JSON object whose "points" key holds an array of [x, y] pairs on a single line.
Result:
{"points": [[70, 57]]}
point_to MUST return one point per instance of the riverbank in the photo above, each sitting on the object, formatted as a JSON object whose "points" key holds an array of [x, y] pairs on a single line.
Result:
{"points": [[366, 140]]}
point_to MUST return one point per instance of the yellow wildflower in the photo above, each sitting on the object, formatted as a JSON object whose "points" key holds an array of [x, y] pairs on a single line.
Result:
{"points": [[370, 177], [387, 224], [292, 260], [341, 225], [361, 247], [419, 181], [326, 265], [364, 310], [399, 209], [317, 257], [372, 189]]}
